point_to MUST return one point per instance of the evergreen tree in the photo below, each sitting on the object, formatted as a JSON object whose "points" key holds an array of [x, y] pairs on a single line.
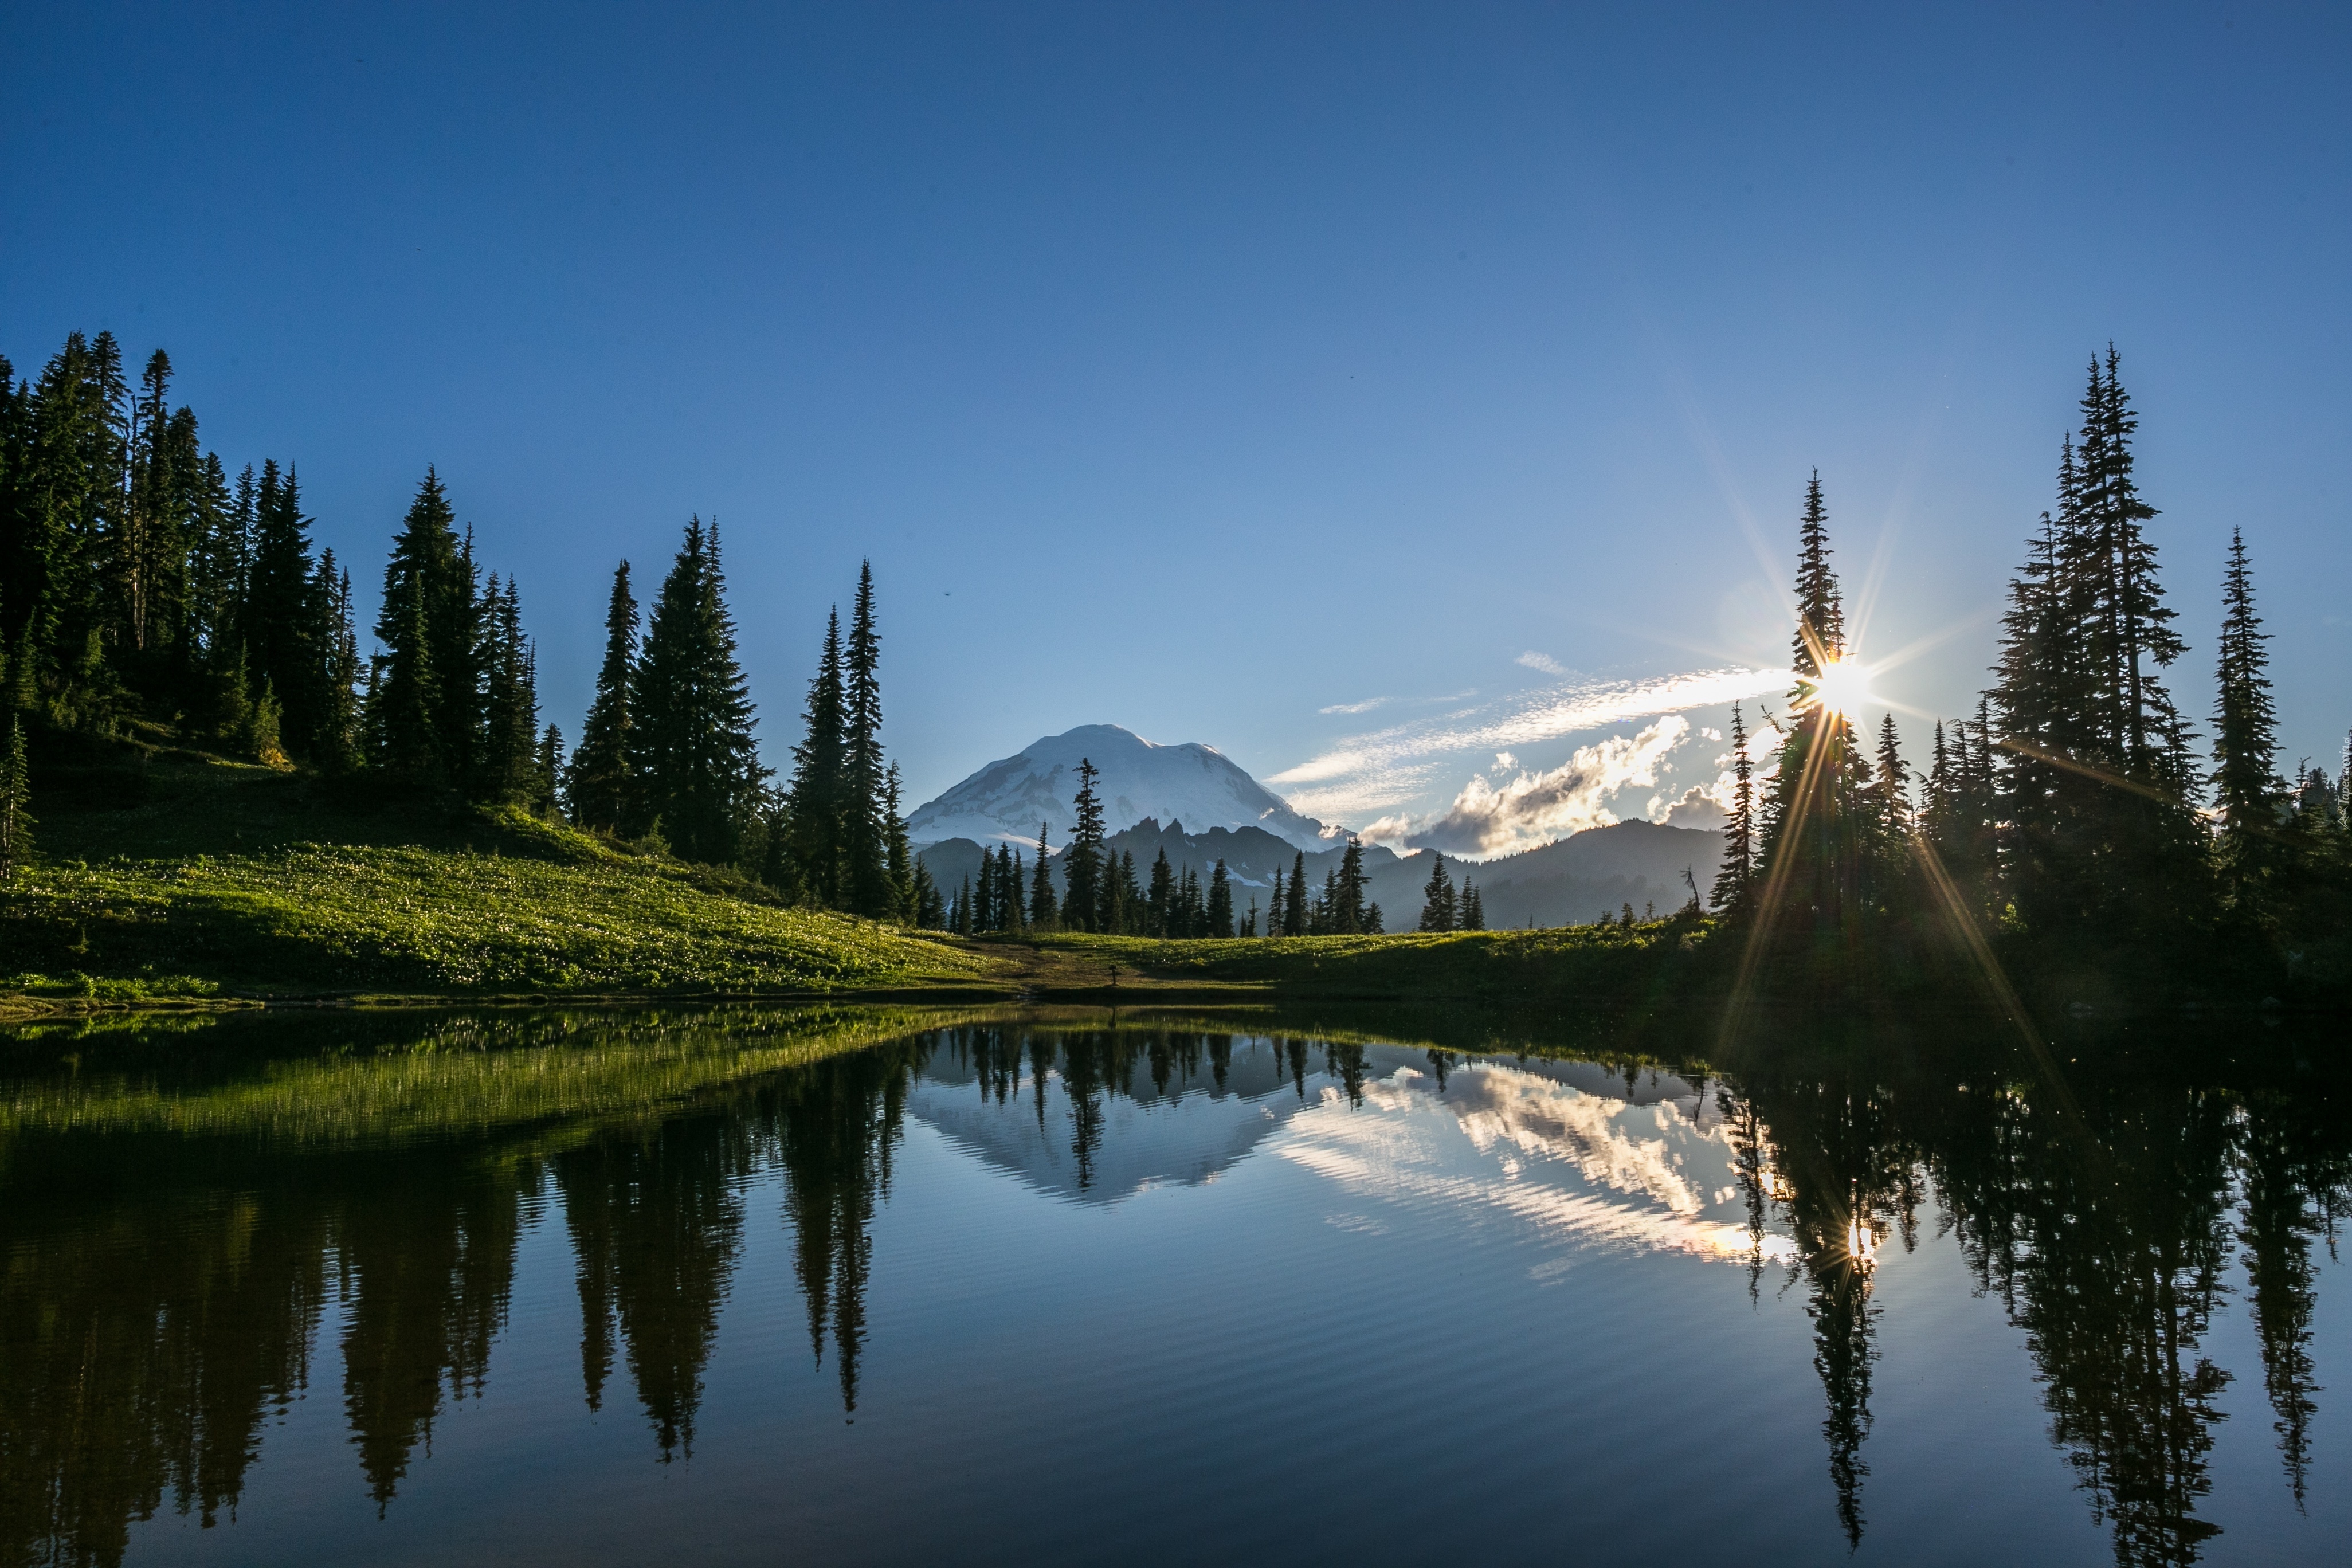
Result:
{"points": [[2252, 796], [691, 745], [1221, 901], [149, 554], [1438, 911], [1128, 913], [1473, 906], [2103, 843], [547, 774], [506, 755], [1014, 916], [1348, 914], [335, 742], [1040, 887], [1082, 860], [1274, 905], [1739, 833], [429, 628], [401, 736], [600, 788], [964, 920], [67, 474], [16, 822], [906, 898], [288, 644], [1815, 825], [1893, 775], [1160, 897], [820, 786], [1296, 916], [218, 558], [930, 911], [868, 889], [1819, 639]]}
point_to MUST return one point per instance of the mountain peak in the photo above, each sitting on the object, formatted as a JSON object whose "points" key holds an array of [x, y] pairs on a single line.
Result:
{"points": [[1197, 784]]}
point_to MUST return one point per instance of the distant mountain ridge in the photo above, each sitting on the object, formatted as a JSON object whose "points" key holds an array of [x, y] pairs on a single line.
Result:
{"points": [[1198, 786], [1565, 882]]}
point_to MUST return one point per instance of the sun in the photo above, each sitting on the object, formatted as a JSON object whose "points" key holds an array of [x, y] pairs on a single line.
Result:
{"points": [[1842, 686]]}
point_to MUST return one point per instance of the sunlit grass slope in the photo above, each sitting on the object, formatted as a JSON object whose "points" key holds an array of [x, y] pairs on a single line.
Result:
{"points": [[199, 874]]}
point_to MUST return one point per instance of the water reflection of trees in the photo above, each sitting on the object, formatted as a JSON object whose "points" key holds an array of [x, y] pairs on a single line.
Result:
{"points": [[165, 1282], [2101, 1215]]}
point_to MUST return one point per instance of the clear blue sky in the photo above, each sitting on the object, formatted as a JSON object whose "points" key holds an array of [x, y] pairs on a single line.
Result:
{"points": [[1200, 369]]}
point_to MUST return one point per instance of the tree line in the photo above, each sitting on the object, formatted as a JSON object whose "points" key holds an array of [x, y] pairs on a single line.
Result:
{"points": [[2073, 812], [1102, 892], [145, 595]]}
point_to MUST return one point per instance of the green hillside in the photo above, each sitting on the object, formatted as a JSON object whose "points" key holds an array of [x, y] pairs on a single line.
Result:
{"points": [[165, 872]]}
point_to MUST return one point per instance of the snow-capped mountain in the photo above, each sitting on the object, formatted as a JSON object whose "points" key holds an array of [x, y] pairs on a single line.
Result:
{"points": [[1195, 784]]}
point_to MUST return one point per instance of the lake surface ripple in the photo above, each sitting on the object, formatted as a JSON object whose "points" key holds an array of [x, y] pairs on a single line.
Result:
{"points": [[838, 1286]]}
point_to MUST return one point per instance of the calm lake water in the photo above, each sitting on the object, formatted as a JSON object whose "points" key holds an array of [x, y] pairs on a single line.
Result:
{"points": [[890, 1287]]}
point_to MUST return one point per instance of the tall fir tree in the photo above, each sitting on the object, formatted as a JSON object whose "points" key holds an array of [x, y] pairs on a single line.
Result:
{"points": [[546, 776], [600, 788], [149, 553], [1296, 918], [1160, 896], [1350, 914], [401, 738], [1815, 819], [1082, 857], [429, 628], [1439, 911], [1275, 904], [819, 793], [868, 887], [691, 746], [16, 822], [897, 859], [2102, 843], [1043, 912], [1221, 901], [287, 645], [2251, 797], [218, 555], [1740, 833], [506, 757], [335, 738]]}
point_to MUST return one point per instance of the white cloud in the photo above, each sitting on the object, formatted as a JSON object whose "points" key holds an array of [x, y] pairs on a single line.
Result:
{"points": [[1532, 808], [1505, 759], [1542, 661], [1365, 774], [1366, 706], [1701, 806]]}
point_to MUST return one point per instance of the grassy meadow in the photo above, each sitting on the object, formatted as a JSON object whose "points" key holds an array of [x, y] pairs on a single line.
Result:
{"points": [[197, 876]]}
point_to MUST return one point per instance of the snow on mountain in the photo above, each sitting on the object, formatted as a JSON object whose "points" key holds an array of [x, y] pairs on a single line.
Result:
{"points": [[1193, 783]]}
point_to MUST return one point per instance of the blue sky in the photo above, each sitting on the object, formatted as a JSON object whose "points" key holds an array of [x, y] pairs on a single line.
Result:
{"points": [[1214, 370]]}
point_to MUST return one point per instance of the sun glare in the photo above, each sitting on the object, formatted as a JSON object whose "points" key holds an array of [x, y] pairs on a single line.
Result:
{"points": [[1842, 687]]}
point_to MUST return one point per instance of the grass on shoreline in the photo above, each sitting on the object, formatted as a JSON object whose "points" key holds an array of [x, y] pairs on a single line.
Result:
{"points": [[1556, 965]]}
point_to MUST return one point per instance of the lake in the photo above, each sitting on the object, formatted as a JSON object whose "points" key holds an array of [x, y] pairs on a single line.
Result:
{"points": [[885, 1286]]}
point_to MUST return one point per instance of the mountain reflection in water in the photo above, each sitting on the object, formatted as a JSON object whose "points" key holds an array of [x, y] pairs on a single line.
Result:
{"points": [[194, 1215]]}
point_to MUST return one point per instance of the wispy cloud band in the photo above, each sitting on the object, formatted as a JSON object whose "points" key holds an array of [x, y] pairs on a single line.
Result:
{"points": [[1382, 770]]}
